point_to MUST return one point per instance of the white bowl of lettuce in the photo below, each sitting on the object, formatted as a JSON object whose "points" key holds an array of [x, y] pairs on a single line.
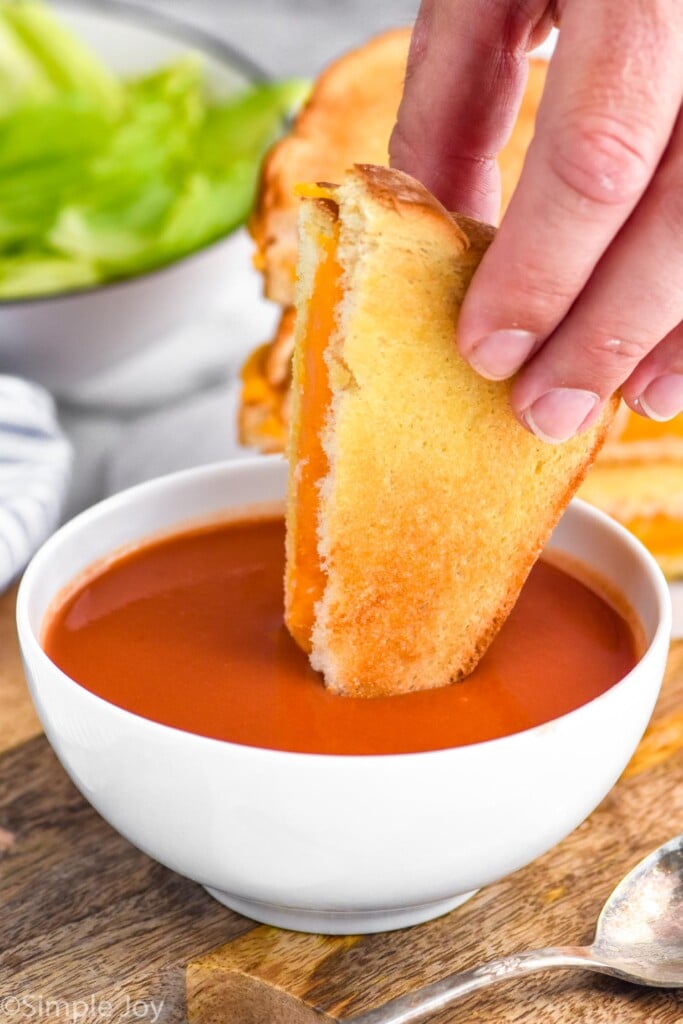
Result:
{"points": [[129, 153]]}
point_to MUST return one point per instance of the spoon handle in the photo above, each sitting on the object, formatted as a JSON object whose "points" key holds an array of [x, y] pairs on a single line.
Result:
{"points": [[427, 1000]]}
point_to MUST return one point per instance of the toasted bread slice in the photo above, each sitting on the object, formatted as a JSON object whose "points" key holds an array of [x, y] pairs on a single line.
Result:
{"points": [[417, 503]]}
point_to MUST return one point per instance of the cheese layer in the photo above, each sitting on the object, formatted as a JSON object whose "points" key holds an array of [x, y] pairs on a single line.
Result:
{"points": [[308, 577]]}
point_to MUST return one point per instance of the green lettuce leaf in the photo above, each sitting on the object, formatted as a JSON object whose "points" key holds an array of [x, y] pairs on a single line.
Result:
{"points": [[43, 274], [68, 64], [103, 178], [158, 203]]}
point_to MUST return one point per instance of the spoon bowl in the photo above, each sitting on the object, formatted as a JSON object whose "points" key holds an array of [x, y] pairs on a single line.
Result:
{"points": [[640, 930]]}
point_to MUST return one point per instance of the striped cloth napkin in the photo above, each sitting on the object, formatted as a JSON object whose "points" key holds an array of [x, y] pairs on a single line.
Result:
{"points": [[35, 467]]}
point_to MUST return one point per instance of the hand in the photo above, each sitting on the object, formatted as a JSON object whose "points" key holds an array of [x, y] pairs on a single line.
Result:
{"points": [[582, 287]]}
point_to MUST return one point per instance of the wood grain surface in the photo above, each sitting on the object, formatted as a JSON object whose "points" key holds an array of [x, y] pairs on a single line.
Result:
{"points": [[94, 931], [85, 916]]}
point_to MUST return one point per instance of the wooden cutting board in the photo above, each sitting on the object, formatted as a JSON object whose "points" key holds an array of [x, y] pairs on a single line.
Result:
{"points": [[94, 931]]}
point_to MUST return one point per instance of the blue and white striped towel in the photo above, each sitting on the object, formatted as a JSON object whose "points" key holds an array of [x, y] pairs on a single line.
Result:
{"points": [[35, 466]]}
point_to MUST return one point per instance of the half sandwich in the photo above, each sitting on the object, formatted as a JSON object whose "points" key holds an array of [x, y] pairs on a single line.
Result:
{"points": [[638, 480], [417, 504], [348, 119]]}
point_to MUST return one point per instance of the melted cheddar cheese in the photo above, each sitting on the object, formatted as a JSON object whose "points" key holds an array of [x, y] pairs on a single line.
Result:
{"points": [[307, 575]]}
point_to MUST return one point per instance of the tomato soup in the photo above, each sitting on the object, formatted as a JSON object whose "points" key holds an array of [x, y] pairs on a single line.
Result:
{"points": [[188, 631]]}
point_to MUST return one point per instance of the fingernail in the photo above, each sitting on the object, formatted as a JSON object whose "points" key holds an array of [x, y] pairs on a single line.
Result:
{"points": [[499, 355], [662, 399], [559, 414]]}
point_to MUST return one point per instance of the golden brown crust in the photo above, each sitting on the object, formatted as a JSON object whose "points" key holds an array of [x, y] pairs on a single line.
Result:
{"points": [[437, 502]]}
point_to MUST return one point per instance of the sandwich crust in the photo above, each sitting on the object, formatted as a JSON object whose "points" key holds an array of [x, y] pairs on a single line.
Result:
{"points": [[437, 502]]}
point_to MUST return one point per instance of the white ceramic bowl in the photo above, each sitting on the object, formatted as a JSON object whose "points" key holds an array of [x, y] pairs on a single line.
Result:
{"points": [[335, 844], [63, 340]]}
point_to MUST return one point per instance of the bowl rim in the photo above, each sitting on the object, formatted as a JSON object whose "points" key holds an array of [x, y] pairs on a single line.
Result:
{"points": [[176, 28], [116, 503]]}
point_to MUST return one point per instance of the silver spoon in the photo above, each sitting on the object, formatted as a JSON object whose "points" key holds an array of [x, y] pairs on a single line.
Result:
{"points": [[639, 938]]}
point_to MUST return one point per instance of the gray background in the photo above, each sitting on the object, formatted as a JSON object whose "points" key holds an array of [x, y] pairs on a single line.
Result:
{"points": [[290, 37]]}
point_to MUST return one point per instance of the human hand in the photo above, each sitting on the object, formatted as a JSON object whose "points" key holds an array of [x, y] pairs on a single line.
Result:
{"points": [[582, 288]]}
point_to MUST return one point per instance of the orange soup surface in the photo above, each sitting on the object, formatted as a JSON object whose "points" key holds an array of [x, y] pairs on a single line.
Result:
{"points": [[188, 631]]}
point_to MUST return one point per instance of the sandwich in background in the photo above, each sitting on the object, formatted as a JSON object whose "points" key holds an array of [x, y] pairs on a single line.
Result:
{"points": [[417, 504], [638, 479]]}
